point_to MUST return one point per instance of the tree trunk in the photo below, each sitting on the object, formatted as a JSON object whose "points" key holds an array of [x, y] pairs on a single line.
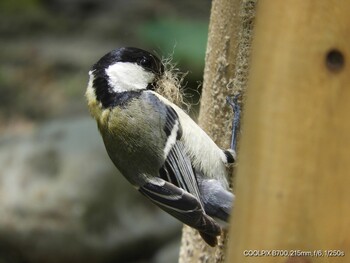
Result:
{"points": [[225, 73], [294, 173]]}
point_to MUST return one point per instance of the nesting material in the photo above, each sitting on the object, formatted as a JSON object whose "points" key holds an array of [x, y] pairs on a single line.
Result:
{"points": [[170, 85]]}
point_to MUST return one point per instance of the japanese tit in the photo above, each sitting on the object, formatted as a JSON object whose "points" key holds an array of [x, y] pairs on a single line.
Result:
{"points": [[160, 150]]}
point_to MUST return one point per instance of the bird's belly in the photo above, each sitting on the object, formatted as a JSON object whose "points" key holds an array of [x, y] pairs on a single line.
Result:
{"points": [[132, 147]]}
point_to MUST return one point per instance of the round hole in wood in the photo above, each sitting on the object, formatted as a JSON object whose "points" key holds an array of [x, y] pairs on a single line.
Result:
{"points": [[335, 60]]}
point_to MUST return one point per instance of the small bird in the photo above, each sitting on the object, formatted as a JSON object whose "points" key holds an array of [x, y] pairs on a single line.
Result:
{"points": [[155, 145]]}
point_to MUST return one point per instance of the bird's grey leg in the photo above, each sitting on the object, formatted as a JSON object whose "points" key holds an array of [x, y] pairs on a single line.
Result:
{"points": [[236, 119]]}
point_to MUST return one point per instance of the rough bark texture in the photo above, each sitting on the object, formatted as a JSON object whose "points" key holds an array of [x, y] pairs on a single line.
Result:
{"points": [[226, 71], [295, 198]]}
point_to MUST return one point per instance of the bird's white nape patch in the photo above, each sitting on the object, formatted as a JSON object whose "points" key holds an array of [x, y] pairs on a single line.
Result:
{"points": [[127, 76], [90, 93], [171, 139], [91, 79]]}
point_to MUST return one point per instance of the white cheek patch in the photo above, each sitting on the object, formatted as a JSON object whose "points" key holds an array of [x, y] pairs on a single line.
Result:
{"points": [[126, 76]]}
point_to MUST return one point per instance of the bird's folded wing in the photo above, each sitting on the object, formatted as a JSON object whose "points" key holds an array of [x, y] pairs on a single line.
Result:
{"points": [[177, 168], [180, 204]]}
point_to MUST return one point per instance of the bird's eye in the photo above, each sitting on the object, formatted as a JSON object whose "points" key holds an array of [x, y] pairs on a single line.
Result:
{"points": [[151, 63], [146, 62]]}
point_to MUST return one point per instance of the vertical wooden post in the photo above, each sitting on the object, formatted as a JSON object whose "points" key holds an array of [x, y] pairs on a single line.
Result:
{"points": [[225, 73], [293, 180]]}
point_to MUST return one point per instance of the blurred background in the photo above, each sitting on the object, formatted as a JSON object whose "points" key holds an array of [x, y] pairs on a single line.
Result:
{"points": [[61, 199]]}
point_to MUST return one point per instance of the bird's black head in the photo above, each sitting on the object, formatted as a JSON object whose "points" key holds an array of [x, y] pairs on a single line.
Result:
{"points": [[137, 56], [123, 73]]}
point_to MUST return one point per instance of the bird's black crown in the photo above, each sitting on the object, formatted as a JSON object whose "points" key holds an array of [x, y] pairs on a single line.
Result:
{"points": [[139, 56]]}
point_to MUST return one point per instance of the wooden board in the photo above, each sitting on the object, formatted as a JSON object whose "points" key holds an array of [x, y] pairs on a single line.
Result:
{"points": [[293, 180]]}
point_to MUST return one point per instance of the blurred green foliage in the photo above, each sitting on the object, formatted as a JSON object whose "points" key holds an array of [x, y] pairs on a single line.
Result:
{"points": [[48, 46], [183, 39], [19, 5]]}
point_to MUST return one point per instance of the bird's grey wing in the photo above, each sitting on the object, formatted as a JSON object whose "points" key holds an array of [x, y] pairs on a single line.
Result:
{"points": [[175, 188], [183, 206], [177, 168]]}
